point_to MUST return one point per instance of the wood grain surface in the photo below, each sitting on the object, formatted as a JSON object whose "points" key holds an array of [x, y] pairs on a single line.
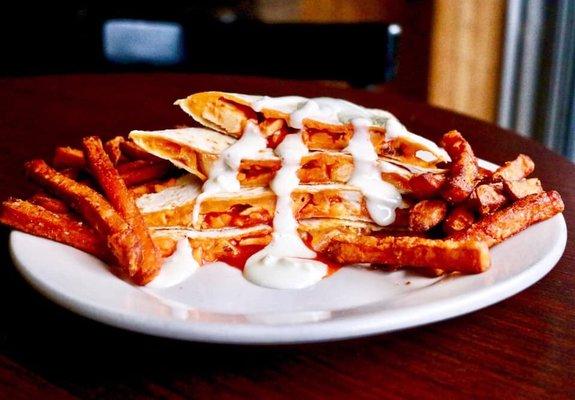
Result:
{"points": [[522, 347], [466, 53]]}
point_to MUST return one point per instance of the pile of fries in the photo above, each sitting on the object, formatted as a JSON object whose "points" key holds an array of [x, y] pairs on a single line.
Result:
{"points": [[87, 200], [93, 208], [463, 213]]}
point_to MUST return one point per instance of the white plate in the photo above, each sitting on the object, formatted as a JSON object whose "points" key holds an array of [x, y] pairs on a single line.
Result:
{"points": [[218, 305]]}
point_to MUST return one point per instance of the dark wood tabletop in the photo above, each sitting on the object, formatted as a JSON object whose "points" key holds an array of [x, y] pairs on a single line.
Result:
{"points": [[522, 347]]}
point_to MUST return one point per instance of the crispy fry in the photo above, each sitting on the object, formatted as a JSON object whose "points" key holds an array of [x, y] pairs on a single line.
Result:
{"points": [[460, 218], [135, 152], [426, 214], [71, 173], [141, 171], [113, 149], [145, 169], [448, 255], [515, 170], [68, 157], [495, 228], [36, 220], [488, 198], [463, 171], [483, 174], [85, 200], [117, 193], [49, 203], [520, 189], [426, 185], [94, 209]]}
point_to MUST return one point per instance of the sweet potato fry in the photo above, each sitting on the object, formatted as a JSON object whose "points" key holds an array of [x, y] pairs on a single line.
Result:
{"points": [[460, 218], [426, 214], [49, 203], [68, 157], [483, 174], [406, 251], [488, 198], [425, 186], [135, 152], [497, 227], [520, 189], [141, 171], [36, 220], [113, 149], [71, 173], [85, 200], [515, 170], [463, 171], [134, 173], [94, 209], [121, 199]]}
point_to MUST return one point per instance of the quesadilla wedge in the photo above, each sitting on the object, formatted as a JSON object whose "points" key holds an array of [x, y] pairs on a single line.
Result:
{"points": [[326, 123], [174, 206], [197, 149]]}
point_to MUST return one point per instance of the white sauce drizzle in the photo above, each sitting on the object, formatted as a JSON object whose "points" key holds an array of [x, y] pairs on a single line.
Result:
{"points": [[285, 263], [223, 177], [176, 268], [382, 198]]}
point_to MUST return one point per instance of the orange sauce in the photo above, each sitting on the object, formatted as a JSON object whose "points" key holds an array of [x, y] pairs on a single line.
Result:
{"points": [[233, 217], [275, 139], [332, 266], [239, 259]]}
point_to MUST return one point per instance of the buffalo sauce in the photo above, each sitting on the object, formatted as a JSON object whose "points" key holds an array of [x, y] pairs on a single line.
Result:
{"points": [[239, 258], [332, 266]]}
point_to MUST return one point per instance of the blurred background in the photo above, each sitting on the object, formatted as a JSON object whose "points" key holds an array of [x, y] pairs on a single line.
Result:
{"points": [[510, 62]]}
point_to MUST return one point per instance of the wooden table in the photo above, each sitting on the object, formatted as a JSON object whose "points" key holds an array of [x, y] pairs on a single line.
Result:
{"points": [[522, 347]]}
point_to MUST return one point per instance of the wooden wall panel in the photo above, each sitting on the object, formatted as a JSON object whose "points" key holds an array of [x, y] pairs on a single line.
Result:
{"points": [[466, 56], [330, 10]]}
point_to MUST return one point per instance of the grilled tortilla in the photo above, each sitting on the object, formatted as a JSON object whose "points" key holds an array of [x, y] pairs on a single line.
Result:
{"points": [[197, 149], [173, 206]]}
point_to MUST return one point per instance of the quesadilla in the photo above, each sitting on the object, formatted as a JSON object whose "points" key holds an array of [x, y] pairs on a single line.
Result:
{"points": [[197, 149], [173, 206]]}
